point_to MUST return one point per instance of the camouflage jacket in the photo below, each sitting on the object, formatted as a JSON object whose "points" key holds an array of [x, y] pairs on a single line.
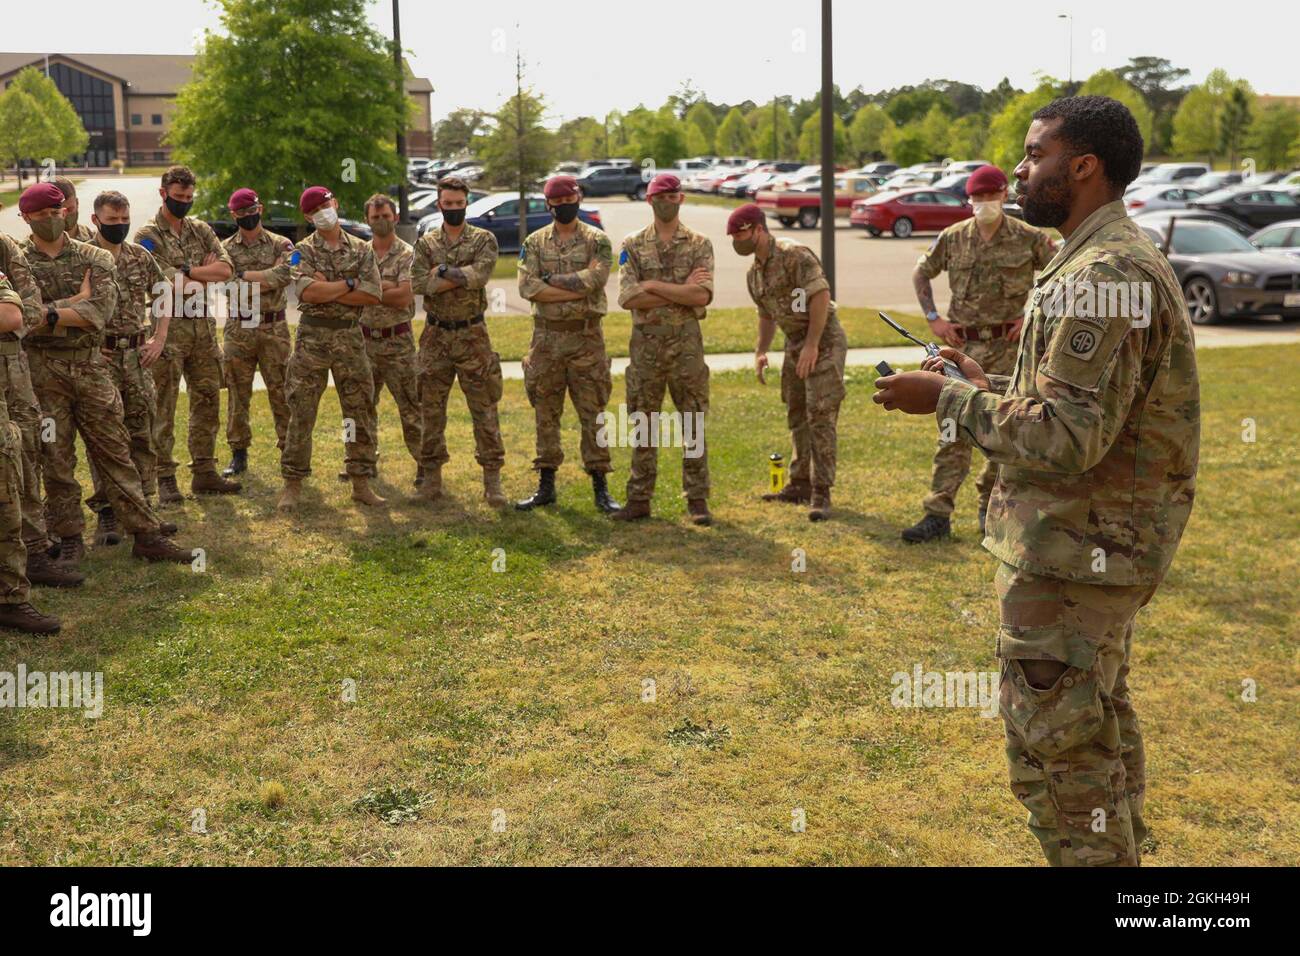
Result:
{"points": [[1098, 431], [352, 259], [643, 257], [83, 232], [474, 254], [782, 286], [190, 248], [137, 275], [59, 278], [268, 253], [570, 261], [989, 280], [13, 263], [394, 266]]}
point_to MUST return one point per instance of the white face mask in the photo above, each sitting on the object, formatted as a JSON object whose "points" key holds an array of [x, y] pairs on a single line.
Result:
{"points": [[325, 219], [987, 213]]}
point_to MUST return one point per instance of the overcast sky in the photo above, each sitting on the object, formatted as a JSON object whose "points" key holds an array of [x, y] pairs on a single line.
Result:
{"points": [[588, 57]]}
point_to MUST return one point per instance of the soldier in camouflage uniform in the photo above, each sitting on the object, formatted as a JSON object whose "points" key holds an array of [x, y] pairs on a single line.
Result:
{"points": [[390, 341], [451, 269], [790, 289], [25, 412], [185, 245], [77, 286], [1097, 434], [259, 340], [335, 277], [562, 272], [666, 279], [991, 259], [77, 230]]}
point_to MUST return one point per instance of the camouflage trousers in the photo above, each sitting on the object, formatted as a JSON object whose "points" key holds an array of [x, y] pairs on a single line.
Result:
{"points": [[812, 407], [1075, 748], [392, 363], [14, 586], [191, 351], [135, 384], [448, 355], [319, 353], [574, 362], [25, 412], [78, 395], [668, 357], [952, 458], [264, 348]]}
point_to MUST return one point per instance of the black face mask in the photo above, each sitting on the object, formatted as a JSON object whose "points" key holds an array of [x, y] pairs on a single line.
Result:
{"points": [[565, 213], [453, 217], [248, 222], [115, 233], [177, 208]]}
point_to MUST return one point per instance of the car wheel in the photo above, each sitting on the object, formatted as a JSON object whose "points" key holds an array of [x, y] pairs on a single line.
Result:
{"points": [[875, 233], [902, 227], [785, 221], [1202, 301], [808, 218], [639, 195]]}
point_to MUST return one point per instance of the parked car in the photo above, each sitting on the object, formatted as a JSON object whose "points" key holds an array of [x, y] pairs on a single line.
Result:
{"points": [[965, 166], [1225, 277], [1159, 197], [954, 183], [1255, 206], [499, 214], [627, 181], [285, 219], [457, 166], [881, 168], [1283, 237], [1159, 219], [1209, 182], [802, 205], [1172, 173], [908, 211]]}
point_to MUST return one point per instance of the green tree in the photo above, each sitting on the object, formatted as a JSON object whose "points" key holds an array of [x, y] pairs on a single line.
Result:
{"points": [[810, 140], [453, 135], [935, 128], [37, 122], [580, 138], [912, 104], [1006, 141], [1234, 120], [1196, 126], [966, 137], [906, 145], [701, 117], [1109, 83], [517, 150], [867, 132], [293, 93], [775, 112], [734, 135], [659, 136], [1274, 136]]}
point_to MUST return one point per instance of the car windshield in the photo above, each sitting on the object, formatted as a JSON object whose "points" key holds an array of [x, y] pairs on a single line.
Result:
{"points": [[1201, 238]]}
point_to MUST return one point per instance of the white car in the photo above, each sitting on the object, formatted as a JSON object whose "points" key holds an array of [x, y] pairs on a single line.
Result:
{"points": [[1160, 196], [1281, 237], [1172, 173]]}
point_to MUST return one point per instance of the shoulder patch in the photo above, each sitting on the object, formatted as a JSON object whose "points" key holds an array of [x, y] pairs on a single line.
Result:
{"points": [[148, 244], [622, 257], [296, 257], [522, 252], [1081, 341]]}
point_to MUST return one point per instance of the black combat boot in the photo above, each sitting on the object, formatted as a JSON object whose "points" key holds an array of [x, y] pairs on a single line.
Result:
{"points": [[106, 529], [929, 528], [545, 493], [238, 463], [600, 488]]}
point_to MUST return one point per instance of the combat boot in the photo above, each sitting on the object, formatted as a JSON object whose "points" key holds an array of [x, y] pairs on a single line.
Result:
{"points": [[636, 509], [42, 570], [600, 489], [168, 493], [929, 528], [71, 550], [290, 495], [545, 493], [154, 547], [362, 494], [699, 511], [493, 493], [23, 617], [238, 463], [210, 483], [821, 505], [431, 484], [795, 493], [106, 529], [167, 528]]}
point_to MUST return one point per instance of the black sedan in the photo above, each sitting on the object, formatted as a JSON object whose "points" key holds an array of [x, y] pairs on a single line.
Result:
{"points": [[1255, 206], [1158, 219]]}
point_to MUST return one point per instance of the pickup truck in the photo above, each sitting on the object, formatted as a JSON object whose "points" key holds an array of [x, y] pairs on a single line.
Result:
{"points": [[803, 205], [613, 181]]}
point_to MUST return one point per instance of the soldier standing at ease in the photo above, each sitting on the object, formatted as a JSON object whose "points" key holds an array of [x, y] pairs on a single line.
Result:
{"points": [[257, 333], [335, 277], [1096, 434], [991, 259], [666, 278], [790, 289], [451, 269], [562, 272]]}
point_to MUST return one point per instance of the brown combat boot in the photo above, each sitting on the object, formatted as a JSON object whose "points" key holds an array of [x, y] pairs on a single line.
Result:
{"points": [[167, 528], [635, 510], [168, 493], [821, 505], [431, 484], [795, 493], [42, 570], [71, 550], [493, 493], [154, 547], [107, 533], [699, 509], [23, 617], [291, 494], [210, 483], [362, 493]]}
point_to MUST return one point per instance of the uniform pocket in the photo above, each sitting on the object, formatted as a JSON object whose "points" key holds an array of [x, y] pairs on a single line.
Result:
{"points": [[1054, 720]]}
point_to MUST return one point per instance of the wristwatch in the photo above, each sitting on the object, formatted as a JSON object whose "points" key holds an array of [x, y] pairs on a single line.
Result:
{"points": [[442, 270], [546, 277], [931, 315], [352, 284], [239, 273], [185, 269], [52, 316]]}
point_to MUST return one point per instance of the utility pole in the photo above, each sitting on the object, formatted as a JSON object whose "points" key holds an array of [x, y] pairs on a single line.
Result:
{"points": [[519, 143], [828, 152], [1069, 35], [402, 209]]}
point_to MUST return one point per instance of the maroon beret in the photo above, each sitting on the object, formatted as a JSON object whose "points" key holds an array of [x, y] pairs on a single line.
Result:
{"points": [[40, 196], [986, 179], [664, 183], [313, 197], [242, 199], [558, 186], [746, 215]]}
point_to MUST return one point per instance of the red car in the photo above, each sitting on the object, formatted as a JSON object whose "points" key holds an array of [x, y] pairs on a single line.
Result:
{"points": [[906, 211]]}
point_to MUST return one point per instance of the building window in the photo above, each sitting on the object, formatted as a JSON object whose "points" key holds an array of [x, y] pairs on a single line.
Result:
{"points": [[137, 156], [157, 119], [136, 119], [92, 98], [159, 155]]}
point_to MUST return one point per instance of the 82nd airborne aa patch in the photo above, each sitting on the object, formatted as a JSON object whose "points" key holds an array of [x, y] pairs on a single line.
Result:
{"points": [[1081, 340]]}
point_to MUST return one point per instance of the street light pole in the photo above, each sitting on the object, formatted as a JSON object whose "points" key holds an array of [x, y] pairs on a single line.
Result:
{"points": [[1069, 23], [828, 153], [402, 210]]}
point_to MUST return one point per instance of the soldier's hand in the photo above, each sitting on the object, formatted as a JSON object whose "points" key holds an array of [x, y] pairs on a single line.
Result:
{"points": [[1016, 326], [210, 258], [946, 331], [916, 393], [84, 291], [760, 367], [150, 351], [807, 360], [699, 276], [969, 367]]}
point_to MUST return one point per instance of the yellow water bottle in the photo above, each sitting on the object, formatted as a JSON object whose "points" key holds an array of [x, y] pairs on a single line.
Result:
{"points": [[776, 472]]}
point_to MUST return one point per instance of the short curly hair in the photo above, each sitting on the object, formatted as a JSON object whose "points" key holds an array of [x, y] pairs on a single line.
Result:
{"points": [[1101, 126]]}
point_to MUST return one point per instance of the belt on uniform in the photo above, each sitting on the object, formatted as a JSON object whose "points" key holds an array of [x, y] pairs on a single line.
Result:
{"points": [[320, 322], [264, 318], [401, 328], [662, 328], [984, 333], [10, 347], [125, 341], [454, 325], [567, 325], [67, 355]]}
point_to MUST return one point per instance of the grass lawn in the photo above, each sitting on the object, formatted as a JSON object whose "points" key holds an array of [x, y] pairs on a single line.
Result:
{"points": [[521, 691]]}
